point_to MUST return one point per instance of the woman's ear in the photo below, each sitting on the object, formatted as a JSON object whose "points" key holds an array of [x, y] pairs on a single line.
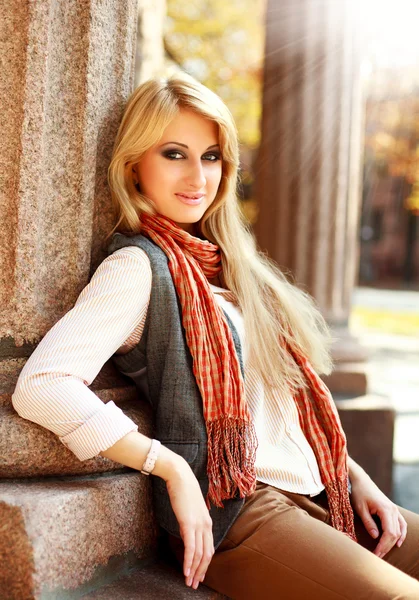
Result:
{"points": [[135, 179]]}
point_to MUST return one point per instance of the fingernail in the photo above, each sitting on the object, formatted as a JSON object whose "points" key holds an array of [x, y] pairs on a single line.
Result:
{"points": [[187, 572], [195, 585], [399, 543], [189, 581], [374, 533]]}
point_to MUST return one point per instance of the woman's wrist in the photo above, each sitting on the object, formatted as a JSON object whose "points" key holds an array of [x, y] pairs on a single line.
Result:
{"points": [[356, 472], [151, 458], [132, 451], [169, 464]]}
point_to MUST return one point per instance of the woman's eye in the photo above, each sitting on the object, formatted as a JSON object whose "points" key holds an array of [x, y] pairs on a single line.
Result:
{"points": [[173, 155], [211, 156], [176, 155]]}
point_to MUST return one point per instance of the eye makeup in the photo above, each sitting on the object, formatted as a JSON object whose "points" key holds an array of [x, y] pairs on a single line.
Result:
{"points": [[175, 154], [172, 154]]}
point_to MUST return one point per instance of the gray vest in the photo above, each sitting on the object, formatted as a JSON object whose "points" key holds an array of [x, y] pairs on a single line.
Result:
{"points": [[161, 367]]}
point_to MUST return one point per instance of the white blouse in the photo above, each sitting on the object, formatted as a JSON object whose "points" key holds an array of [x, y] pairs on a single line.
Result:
{"points": [[108, 317]]}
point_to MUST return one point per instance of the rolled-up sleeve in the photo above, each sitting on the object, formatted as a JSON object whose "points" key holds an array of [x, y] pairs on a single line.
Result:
{"points": [[52, 387]]}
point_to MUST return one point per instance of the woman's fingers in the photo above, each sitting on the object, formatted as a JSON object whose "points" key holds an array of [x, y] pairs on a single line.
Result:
{"points": [[391, 532], [197, 557], [199, 550], [188, 536], [207, 554], [369, 523]]}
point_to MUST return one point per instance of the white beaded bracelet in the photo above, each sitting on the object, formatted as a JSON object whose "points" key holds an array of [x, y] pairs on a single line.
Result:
{"points": [[152, 455]]}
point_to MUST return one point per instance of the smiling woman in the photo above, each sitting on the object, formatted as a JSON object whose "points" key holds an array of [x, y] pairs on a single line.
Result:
{"points": [[250, 466], [181, 173]]}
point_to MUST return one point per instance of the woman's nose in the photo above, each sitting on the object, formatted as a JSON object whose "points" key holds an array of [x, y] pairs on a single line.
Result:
{"points": [[196, 175]]}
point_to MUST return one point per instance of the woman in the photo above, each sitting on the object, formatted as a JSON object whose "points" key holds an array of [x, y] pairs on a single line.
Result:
{"points": [[250, 470]]}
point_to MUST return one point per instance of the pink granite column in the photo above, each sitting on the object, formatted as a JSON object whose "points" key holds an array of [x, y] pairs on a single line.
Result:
{"points": [[310, 160], [68, 68], [69, 72]]}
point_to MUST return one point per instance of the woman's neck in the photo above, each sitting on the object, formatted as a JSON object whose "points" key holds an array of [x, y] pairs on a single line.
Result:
{"points": [[218, 281]]}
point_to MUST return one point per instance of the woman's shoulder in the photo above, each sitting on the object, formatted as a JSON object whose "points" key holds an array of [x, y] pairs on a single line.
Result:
{"points": [[126, 266], [127, 256], [130, 252]]}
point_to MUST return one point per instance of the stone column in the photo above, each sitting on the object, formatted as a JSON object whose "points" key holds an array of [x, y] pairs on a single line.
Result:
{"points": [[67, 71], [309, 192], [310, 160], [150, 57]]}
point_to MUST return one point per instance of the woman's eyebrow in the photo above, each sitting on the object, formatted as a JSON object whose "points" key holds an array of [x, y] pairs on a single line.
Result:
{"points": [[187, 147]]}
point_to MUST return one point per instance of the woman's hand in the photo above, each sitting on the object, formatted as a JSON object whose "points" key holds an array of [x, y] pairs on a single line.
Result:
{"points": [[195, 523], [368, 500], [185, 496]]}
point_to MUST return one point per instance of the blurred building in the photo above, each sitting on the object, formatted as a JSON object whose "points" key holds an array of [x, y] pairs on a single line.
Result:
{"points": [[388, 234], [389, 231]]}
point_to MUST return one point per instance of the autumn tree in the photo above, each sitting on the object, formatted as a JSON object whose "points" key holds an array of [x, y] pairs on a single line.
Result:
{"points": [[221, 44]]}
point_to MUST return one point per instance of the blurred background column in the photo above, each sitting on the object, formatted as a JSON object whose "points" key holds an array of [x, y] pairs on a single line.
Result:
{"points": [[150, 54], [310, 161]]}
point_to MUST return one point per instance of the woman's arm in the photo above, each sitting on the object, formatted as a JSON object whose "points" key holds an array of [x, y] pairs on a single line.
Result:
{"points": [[186, 498], [52, 391], [368, 500], [52, 387]]}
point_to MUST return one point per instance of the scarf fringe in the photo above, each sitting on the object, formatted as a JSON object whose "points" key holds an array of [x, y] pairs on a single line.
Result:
{"points": [[341, 513], [232, 445]]}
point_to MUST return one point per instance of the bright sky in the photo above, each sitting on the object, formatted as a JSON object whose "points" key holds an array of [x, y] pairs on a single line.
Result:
{"points": [[392, 30]]}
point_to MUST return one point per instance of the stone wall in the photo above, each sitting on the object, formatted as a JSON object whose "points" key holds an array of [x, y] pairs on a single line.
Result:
{"points": [[67, 72]]}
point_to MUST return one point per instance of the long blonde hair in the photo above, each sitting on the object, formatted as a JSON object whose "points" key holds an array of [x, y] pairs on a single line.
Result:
{"points": [[275, 312]]}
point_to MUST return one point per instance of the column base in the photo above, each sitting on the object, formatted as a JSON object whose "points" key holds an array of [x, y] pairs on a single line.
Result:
{"points": [[349, 376], [368, 422], [346, 348], [347, 379]]}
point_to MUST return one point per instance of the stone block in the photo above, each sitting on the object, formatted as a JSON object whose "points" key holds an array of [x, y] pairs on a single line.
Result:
{"points": [[108, 378], [29, 450], [349, 379], [10, 369], [57, 532], [156, 582], [345, 347], [368, 422]]}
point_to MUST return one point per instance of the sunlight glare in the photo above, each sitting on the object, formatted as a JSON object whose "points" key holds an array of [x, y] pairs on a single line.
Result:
{"points": [[390, 30]]}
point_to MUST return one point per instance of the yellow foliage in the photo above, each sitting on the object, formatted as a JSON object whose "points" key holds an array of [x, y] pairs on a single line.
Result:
{"points": [[393, 135], [221, 44]]}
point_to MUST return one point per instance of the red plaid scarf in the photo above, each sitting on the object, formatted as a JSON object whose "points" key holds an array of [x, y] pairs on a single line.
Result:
{"points": [[322, 428], [231, 435]]}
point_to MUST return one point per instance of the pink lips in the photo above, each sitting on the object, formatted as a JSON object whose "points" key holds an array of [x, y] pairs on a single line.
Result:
{"points": [[191, 199]]}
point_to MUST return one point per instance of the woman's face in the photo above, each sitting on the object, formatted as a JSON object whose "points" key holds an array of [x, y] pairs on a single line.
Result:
{"points": [[181, 173]]}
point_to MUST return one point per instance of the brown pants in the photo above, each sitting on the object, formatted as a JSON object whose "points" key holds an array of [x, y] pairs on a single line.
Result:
{"points": [[281, 547]]}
